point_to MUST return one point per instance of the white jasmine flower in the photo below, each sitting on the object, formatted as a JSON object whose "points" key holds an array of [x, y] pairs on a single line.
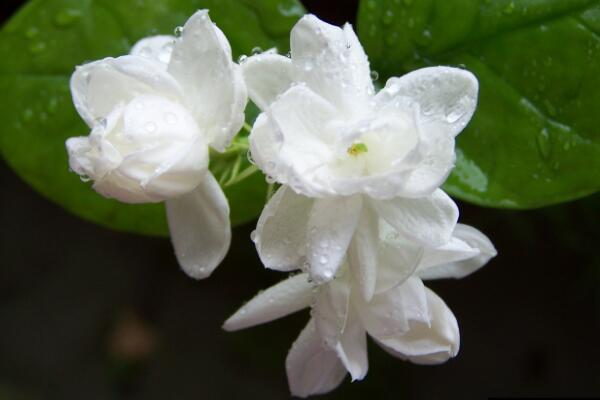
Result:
{"points": [[153, 115], [404, 317], [349, 155]]}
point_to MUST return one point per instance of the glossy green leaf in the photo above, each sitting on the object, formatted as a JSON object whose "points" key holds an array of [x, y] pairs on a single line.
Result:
{"points": [[39, 49], [535, 137]]}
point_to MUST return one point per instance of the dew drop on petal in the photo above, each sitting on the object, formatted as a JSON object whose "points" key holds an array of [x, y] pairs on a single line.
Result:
{"points": [[256, 50], [171, 118], [254, 236], [374, 75], [242, 58], [178, 31], [150, 127], [323, 260]]}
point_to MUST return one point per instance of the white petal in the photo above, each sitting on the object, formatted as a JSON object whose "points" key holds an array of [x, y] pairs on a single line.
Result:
{"points": [[468, 251], [311, 367], [286, 297], [428, 164], [291, 144], [331, 225], [446, 96], [362, 253], [330, 311], [200, 228], [169, 155], [332, 62], [281, 230], [158, 48], [428, 220], [201, 63], [398, 259], [424, 343], [352, 347], [392, 312], [267, 76], [98, 87]]}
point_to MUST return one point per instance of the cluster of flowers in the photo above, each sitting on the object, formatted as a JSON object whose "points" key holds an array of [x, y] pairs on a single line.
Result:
{"points": [[359, 214]]}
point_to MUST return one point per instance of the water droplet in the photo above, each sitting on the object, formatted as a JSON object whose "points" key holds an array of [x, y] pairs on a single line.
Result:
{"points": [[454, 115], [84, 178], [165, 53], [52, 105], [66, 18], [37, 47], [178, 31], [28, 115], [270, 180], [323, 260], [31, 32], [288, 54], [388, 17], [510, 8], [150, 127], [328, 274], [254, 236], [374, 75], [543, 142], [242, 58], [171, 118], [290, 9], [256, 50]]}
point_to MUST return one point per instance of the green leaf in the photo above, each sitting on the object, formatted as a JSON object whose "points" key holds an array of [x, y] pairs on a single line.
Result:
{"points": [[39, 49], [535, 137]]}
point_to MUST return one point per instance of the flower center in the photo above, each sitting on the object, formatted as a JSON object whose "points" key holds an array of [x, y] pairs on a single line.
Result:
{"points": [[357, 148]]}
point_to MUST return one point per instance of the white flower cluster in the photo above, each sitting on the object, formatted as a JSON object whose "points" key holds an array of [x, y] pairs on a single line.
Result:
{"points": [[360, 213]]}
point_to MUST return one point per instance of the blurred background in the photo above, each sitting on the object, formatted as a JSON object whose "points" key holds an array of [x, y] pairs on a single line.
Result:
{"points": [[90, 313]]}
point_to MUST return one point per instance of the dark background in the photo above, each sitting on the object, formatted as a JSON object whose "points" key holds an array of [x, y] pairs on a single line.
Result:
{"points": [[87, 313]]}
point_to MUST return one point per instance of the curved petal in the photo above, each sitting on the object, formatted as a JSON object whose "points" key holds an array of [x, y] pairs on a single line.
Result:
{"points": [[446, 96], [98, 87], [333, 63], [427, 343], [286, 297], [352, 347], [158, 48], [468, 251], [290, 144], [267, 76], [200, 228], [428, 220], [281, 230], [398, 259], [362, 253], [330, 311], [331, 225], [178, 159], [311, 367], [213, 84], [392, 313]]}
